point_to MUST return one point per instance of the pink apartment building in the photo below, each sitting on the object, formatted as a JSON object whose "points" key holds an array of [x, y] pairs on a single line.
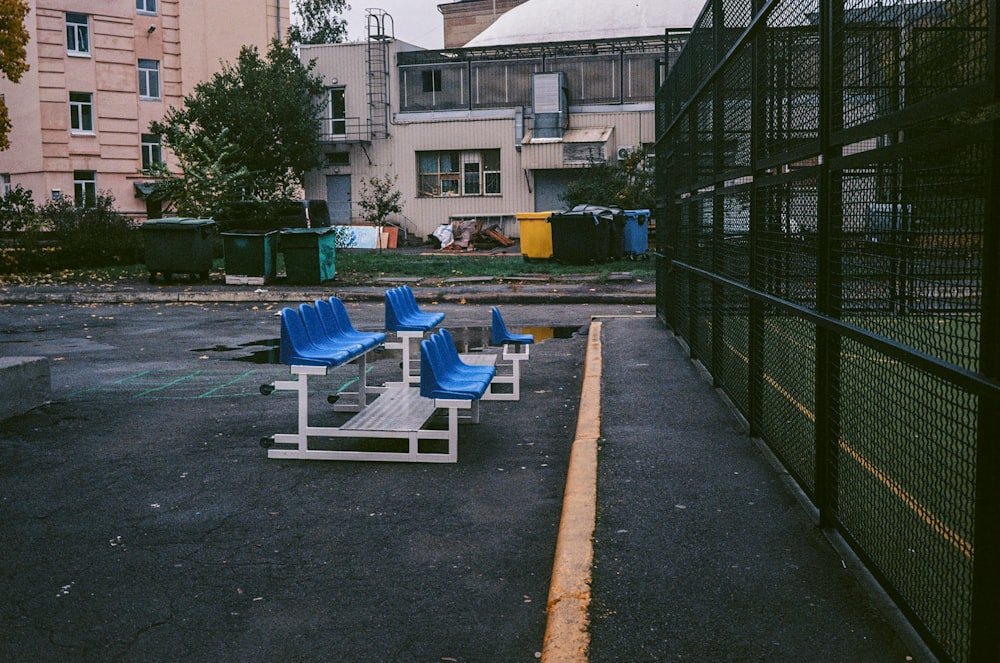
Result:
{"points": [[101, 72]]}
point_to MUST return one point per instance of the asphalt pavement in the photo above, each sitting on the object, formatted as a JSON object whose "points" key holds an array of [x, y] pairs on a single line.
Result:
{"points": [[142, 521]]}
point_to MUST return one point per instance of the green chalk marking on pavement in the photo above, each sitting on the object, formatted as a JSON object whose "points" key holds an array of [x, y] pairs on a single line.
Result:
{"points": [[167, 385], [209, 393], [99, 387]]}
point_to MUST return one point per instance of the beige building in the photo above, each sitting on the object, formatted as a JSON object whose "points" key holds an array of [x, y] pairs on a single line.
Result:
{"points": [[101, 72], [502, 124]]}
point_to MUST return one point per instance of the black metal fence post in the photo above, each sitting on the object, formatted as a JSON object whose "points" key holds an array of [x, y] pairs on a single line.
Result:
{"points": [[985, 640], [828, 286]]}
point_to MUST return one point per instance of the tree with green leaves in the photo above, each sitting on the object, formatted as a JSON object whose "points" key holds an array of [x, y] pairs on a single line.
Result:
{"points": [[379, 199], [13, 54], [318, 23], [626, 184], [250, 132]]}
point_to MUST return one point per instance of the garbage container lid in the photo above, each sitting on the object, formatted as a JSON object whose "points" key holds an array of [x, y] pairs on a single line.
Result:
{"points": [[237, 232], [176, 223], [308, 231]]}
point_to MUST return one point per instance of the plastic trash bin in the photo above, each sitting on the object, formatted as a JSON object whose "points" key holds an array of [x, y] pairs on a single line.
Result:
{"points": [[614, 219], [251, 256], [616, 235], [636, 233], [310, 254], [176, 245], [536, 235], [579, 237]]}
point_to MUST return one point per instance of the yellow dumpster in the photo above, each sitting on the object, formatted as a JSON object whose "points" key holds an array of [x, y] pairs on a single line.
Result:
{"points": [[536, 235]]}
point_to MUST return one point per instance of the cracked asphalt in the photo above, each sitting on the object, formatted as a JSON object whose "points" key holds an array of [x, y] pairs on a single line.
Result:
{"points": [[142, 521]]}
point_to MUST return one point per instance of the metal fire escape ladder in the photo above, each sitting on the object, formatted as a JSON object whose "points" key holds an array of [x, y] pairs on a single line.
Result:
{"points": [[381, 31]]}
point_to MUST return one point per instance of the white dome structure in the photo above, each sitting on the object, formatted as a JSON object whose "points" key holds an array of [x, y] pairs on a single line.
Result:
{"points": [[543, 21]]}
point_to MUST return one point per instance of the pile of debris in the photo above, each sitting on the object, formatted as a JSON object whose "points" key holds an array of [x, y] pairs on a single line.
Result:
{"points": [[471, 235]]}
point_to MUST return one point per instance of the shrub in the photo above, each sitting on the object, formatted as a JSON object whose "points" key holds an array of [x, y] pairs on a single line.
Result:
{"points": [[21, 248], [95, 236]]}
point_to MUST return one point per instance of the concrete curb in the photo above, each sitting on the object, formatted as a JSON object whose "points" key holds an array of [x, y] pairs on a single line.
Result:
{"points": [[481, 294], [567, 638]]}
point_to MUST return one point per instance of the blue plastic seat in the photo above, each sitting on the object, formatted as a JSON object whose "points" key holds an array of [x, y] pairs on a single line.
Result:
{"points": [[322, 339], [501, 335], [337, 322], [296, 348], [402, 313], [446, 343], [441, 378]]}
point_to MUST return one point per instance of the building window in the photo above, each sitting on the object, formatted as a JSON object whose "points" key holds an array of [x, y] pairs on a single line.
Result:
{"points": [[152, 151], [431, 80], [5, 185], [338, 111], [145, 6], [77, 34], [491, 172], [149, 79], [454, 173], [85, 188], [81, 112]]}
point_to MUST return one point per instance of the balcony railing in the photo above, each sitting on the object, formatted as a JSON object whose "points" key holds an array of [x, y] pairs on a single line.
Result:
{"points": [[345, 130]]}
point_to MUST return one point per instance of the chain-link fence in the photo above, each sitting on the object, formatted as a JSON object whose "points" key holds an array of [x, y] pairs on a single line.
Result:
{"points": [[828, 177]]}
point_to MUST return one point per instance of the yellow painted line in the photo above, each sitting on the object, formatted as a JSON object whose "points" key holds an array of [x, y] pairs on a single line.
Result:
{"points": [[914, 505], [567, 635]]}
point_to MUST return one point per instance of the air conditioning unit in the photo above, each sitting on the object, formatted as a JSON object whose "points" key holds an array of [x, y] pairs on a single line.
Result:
{"points": [[550, 104], [625, 151]]}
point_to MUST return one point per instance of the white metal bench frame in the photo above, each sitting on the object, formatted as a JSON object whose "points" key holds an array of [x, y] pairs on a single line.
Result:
{"points": [[511, 357], [399, 412], [404, 341]]}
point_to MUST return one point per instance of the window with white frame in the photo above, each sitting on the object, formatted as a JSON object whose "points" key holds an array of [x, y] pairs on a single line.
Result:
{"points": [[145, 6], [152, 151], [81, 112], [149, 79], [85, 188], [77, 34], [338, 111], [5, 185], [458, 173]]}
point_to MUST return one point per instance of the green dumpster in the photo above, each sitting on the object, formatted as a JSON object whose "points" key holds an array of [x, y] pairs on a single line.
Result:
{"points": [[309, 254], [176, 245], [251, 256]]}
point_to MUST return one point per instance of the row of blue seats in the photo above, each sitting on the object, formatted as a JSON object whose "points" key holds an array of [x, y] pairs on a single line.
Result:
{"points": [[321, 334], [443, 374], [402, 313]]}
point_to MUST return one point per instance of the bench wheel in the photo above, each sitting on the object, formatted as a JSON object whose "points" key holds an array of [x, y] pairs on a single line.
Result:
{"points": [[267, 389], [332, 398], [267, 442]]}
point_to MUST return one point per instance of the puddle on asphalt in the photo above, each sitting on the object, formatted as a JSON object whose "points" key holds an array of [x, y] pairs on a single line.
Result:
{"points": [[467, 339]]}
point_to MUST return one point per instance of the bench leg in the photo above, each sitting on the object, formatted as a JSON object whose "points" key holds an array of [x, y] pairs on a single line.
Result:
{"points": [[301, 385], [513, 378], [405, 343], [453, 406], [363, 389]]}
